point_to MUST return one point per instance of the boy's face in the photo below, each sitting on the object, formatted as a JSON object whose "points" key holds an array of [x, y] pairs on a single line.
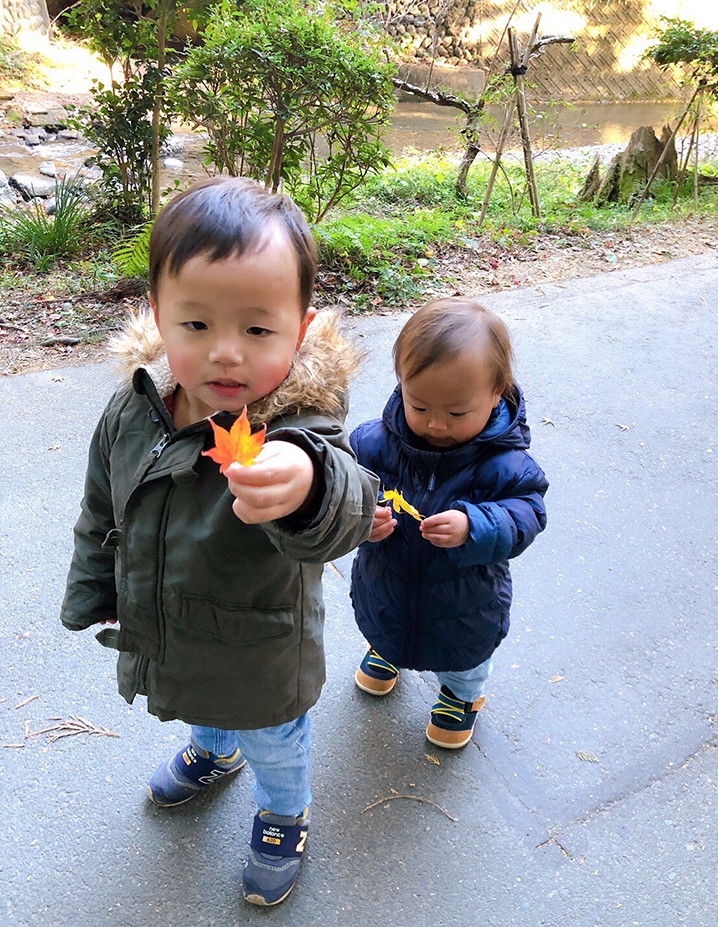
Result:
{"points": [[451, 401], [231, 328]]}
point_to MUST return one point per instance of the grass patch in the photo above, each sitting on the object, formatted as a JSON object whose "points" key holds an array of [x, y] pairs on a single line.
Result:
{"points": [[386, 242], [32, 237]]}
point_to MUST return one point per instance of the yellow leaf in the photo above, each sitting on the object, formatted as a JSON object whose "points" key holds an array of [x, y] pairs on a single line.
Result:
{"points": [[400, 504], [238, 445]]}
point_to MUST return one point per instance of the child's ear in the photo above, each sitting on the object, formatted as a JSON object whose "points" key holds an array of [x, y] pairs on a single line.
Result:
{"points": [[155, 310], [306, 322]]}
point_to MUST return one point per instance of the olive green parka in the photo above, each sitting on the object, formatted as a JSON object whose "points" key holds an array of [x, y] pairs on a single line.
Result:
{"points": [[220, 623]]}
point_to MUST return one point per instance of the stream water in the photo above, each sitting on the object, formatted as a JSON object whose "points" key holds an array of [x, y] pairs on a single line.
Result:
{"points": [[415, 126]]}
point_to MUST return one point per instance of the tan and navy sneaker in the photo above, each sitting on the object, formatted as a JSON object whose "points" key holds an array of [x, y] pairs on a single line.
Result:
{"points": [[452, 721], [376, 675]]}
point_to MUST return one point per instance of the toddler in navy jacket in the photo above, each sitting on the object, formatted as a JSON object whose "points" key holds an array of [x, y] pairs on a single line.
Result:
{"points": [[431, 588]]}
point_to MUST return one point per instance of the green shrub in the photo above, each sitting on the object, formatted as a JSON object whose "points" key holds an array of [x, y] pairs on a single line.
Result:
{"points": [[286, 95], [119, 125]]}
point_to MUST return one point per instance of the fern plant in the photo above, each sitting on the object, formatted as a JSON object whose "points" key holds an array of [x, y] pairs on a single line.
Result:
{"points": [[132, 256]]}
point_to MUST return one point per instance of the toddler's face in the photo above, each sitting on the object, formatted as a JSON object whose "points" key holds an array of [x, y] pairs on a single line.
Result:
{"points": [[232, 327], [451, 401]]}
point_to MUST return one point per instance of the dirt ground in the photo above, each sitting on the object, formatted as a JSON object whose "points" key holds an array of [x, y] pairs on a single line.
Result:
{"points": [[34, 309]]}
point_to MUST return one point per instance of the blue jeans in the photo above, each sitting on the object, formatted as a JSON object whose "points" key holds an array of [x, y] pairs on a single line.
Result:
{"points": [[280, 758], [469, 684]]}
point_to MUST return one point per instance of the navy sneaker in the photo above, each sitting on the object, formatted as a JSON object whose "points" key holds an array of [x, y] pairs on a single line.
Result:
{"points": [[452, 721], [376, 675], [179, 779], [275, 854]]}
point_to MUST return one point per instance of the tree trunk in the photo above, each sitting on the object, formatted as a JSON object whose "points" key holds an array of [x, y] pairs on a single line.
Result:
{"points": [[592, 183], [472, 150], [274, 171], [631, 169], [157, 108]]}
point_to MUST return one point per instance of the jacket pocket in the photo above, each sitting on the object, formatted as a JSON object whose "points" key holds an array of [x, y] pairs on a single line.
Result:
{"points": [[226, 622]]}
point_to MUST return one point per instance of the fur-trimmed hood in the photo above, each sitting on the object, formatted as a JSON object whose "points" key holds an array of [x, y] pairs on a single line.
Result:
{"points": [[318, 379]]}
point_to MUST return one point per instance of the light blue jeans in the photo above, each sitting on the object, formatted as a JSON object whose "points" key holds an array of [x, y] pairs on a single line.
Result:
{"points": [[280, 758], [468, 685]]}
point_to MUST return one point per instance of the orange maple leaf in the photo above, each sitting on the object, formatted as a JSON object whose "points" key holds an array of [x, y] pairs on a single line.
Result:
{"points": [[238, 445]]}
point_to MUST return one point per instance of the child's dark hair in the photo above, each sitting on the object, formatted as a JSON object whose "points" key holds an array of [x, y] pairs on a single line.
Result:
{"points": [[442, 329], [224, 217]]}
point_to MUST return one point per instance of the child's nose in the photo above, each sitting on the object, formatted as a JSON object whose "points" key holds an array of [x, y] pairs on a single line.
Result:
{"points": [[437, 424], [226, 352]]}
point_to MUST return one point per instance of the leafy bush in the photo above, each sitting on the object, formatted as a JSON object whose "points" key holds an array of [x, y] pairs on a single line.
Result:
{"points": [[286, 96], [119, 125], [33, 237]]}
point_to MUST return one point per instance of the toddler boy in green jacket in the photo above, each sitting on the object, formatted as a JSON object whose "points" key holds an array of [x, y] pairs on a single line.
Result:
{"points": [[212, 579]]}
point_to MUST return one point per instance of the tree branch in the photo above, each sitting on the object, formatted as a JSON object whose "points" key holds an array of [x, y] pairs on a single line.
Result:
{"points": [[434, 96]]}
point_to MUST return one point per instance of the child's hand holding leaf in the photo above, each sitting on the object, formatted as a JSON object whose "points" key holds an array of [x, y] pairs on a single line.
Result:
{"points": [[447, 529], [269, 481], [383, 524], [278, 483]]}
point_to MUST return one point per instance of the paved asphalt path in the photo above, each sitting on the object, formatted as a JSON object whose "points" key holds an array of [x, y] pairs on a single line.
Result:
{"points": [[612, 652]]}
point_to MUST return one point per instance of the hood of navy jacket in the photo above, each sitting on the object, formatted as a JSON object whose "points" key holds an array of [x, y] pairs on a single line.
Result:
{"points": [[506, 429]]}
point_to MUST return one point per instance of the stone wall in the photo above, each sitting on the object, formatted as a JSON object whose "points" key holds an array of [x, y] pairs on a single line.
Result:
{"points": [[605, 64], [23, 16]]}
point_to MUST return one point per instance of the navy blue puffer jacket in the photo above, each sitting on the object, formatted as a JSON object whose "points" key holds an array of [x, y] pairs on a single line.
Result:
{"points": [[429, 608]]}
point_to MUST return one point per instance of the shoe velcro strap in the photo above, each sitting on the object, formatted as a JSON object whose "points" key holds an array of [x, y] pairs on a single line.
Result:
{"points": [[377, 661], [285, 840], [449, 707]]}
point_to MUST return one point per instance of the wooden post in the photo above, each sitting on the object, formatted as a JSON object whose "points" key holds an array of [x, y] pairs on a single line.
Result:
{"points": [[497, 158], [698, 138], [517, 64], [683, 168], [503, 135]]}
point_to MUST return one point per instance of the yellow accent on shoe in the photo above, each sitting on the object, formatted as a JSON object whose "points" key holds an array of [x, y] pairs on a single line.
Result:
{"points": [[373, 686], [227, 759]]}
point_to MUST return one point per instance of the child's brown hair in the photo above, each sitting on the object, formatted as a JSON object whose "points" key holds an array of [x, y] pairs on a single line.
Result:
{"points": [[443, 328], [224, 217]]}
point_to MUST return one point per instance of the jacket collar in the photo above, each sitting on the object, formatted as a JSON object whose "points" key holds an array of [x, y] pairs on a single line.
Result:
{"points": [[507, 428], [318, 379]]}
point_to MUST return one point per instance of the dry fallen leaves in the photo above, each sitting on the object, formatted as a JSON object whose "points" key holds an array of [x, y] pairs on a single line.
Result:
{"points": [[433, 758]]}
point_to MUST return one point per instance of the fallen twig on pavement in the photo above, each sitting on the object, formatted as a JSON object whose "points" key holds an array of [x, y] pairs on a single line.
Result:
{"points": [[27, 701], [73, 725], [426, 801]]}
